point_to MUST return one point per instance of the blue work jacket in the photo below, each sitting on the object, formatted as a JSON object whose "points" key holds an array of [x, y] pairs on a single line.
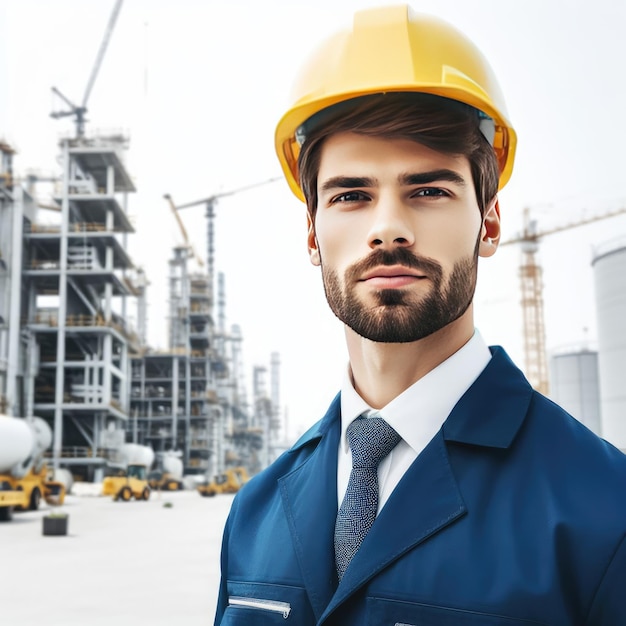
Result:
{"points": [[513, 515]]}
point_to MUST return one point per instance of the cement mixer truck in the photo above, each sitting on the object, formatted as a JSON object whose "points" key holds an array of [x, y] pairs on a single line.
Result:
{"points": [[168, 476], [25, 478], [132, 481]]}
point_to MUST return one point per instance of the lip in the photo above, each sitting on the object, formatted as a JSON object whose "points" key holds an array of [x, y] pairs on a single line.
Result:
{"points": [[391, 271], [391, 276]]}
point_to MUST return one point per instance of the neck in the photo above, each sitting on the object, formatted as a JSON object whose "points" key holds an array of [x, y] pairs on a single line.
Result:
{"points": [[382, 371]]}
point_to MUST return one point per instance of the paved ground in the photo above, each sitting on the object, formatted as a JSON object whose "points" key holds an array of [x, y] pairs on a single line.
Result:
{"points": [[122, 564]]}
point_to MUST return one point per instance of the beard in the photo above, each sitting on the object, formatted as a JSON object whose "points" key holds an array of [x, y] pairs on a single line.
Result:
{"points": [[399, 316]]}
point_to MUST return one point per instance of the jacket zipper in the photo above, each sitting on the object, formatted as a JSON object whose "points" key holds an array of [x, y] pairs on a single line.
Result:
{"points": [[266, 605]]}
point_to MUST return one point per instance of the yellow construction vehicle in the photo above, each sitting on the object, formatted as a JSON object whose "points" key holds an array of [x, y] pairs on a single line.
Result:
{"points": [[9, 500], [127, 484], [162, 481], [168, 476], [25, 479], [131, 482], [37, 484], [231, 481]]}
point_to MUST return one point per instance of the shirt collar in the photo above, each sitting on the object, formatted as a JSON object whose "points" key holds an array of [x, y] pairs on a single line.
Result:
{"points": [[419, 411]]}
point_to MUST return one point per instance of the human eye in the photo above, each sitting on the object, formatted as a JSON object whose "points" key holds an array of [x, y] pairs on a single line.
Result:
{"points": [[349, 196], [431, 192]]}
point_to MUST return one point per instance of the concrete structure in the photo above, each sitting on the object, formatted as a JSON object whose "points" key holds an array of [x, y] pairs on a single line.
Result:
{"points": [[174, 407], [609, 266], [574, 385], [68, 285], [15, 207], [68, 353], [191, 398], [66, 345]]}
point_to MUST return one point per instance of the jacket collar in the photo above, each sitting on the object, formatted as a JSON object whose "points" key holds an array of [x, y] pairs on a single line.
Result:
{"points": [[320, 428], [492, 410]]}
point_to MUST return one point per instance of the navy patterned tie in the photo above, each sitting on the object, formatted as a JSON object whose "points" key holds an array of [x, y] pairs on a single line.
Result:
{"points": [[371, 440]]}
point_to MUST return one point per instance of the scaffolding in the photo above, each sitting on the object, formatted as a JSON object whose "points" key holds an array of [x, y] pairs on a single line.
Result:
{"points": [[174, 401], [68, 292]]}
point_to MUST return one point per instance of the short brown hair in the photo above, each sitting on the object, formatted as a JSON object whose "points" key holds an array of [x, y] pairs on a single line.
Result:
{"points": [[438, 123]]}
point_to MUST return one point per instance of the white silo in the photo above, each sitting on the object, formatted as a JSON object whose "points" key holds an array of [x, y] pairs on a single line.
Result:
{"points": [[574, 385], [609, 268]]}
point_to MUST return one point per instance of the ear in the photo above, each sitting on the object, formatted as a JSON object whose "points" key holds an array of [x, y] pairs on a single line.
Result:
{"points": [[314, 251], [490, 230]]}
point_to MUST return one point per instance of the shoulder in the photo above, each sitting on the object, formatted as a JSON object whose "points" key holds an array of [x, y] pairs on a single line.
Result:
{"points": [[539, 447], [261, 488], [581, 475], [570, 440]]}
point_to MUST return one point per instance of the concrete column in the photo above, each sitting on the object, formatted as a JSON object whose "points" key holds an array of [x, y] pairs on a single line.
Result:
{"points": [[60, 369], [15, 300]]}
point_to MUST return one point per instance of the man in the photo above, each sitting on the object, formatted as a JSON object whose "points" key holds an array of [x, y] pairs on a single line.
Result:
{"points": [[440, 488]]}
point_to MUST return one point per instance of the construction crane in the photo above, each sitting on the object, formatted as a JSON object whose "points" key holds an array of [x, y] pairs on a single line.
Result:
{"points": [[210, 204], [79, 111], [183, 231], [535, 355]]}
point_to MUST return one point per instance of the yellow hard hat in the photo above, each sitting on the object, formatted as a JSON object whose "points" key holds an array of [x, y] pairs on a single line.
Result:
{"points": [[393, 48]]}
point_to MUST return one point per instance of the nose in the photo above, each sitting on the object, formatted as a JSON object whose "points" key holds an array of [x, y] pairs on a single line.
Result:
{"points": [[391, 226]]}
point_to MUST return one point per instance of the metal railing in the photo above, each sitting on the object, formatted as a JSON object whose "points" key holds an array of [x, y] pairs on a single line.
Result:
{"points": [[83, 452], [51, 318]]}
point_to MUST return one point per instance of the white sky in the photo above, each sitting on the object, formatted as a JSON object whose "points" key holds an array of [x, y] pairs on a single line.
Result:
{"points": [[199, 86]]}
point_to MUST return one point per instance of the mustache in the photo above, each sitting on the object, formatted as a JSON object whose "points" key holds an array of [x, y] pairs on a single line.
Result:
{"points": [[397, 256]]}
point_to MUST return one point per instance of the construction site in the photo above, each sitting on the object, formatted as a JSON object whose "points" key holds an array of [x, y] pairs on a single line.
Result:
{"points": [[74, 349], [70, 356], [91, 389], [133, 451]]}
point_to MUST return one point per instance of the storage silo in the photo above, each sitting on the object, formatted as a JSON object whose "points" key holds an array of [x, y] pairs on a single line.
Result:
{"points": [[574, 385], [609, 268]]}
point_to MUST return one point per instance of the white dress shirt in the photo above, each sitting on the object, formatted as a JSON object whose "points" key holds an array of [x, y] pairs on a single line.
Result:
{"points": [[416, 414]]}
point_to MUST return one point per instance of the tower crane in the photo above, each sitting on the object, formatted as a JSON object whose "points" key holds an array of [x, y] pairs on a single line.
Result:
{"points": [[210, 204], [532, 292], [79, 111], [183, 231]]}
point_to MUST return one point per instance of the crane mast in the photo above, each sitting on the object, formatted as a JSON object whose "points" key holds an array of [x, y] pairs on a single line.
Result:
{"points": [[531, 283], [210, 204], [210, 235], [531, 276]]}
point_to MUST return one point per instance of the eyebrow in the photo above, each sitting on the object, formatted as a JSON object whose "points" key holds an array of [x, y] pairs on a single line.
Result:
{"points": [[430, 177], [347, 182], [351, 182]]}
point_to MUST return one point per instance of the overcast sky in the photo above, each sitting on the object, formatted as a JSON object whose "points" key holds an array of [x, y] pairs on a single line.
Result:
{"points": [[199, 86]]}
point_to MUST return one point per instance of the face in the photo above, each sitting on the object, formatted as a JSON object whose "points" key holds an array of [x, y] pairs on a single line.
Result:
{"points": [[397, 233]]}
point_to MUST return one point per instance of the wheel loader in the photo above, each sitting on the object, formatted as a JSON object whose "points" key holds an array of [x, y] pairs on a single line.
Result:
{"points": [[230, 481]]}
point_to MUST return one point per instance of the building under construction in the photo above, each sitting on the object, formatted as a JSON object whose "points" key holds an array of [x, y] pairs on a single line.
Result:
{"points": [[67, 351]]}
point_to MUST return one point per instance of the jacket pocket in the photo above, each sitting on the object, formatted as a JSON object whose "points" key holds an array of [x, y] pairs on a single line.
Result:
{"points": [[247, 616], [273, 606], [266, 604], [386, 612]]}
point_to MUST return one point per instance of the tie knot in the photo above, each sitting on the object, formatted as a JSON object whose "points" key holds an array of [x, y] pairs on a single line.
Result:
{"points": [[371, 440]]}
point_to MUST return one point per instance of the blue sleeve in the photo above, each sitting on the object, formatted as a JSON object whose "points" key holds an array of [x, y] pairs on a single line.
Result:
{"points": [[222, 599]]}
